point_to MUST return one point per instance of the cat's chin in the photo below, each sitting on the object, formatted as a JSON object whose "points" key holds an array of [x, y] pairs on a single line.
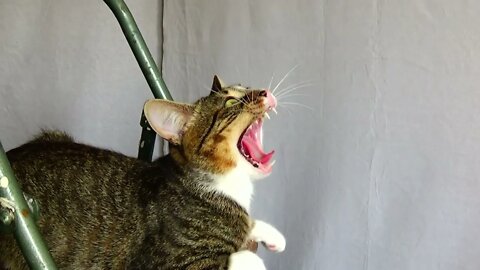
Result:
{"points": [[255, 173]]}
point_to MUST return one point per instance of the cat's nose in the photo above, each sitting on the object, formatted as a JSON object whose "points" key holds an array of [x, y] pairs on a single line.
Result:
{"points": [[270, 99]]}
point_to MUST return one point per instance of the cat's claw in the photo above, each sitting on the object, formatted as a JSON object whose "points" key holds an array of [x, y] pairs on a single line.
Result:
{"points": [[272, 248], [269, 236]]}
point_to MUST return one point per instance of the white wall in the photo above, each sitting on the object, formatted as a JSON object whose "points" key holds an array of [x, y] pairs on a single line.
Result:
{"points": [[66, 65], [384, 173]]}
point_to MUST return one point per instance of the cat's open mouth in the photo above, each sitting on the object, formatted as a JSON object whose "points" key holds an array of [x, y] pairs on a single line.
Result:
{"points": [[250, 142], [250, 146]]}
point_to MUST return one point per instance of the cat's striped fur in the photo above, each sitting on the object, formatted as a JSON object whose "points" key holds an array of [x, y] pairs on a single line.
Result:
{"points": [[103, 210]]}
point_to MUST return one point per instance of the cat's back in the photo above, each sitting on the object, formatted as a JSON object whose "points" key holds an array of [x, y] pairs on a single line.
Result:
{"points": [[86, 197], [54, 162], [59, 148]]}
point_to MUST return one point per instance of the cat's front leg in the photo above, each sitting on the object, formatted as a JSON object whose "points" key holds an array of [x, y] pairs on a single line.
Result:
{"points": [[244, 260], [268, 235]]}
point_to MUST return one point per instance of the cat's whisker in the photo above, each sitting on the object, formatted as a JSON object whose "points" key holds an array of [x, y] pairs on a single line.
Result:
{"points": [[270, 83], [298, 104], [242, 101], [294, 84], [290, 92], [286, 108], [284, 77], [294, 87], [292, 95]]}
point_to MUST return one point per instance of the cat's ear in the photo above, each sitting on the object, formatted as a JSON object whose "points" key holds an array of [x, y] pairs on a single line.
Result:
{"points": [[168, 118], [217, 85]]}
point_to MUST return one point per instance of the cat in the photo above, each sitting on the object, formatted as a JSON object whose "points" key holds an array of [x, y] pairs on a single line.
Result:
{"points": [[186, 210]]}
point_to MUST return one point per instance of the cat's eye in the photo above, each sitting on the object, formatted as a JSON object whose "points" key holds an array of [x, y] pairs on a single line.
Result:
{"points": [[231, 102]]}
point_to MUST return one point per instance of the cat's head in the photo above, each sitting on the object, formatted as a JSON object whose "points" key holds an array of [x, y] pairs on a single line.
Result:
{"points": [[219, 132]]}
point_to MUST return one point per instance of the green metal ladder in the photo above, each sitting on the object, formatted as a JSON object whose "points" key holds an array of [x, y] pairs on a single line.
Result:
{"points": [[18, 212]]}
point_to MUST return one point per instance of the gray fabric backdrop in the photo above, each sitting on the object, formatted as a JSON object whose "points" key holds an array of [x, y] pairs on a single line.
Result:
{"points": [[382, 173], [66, 65]]}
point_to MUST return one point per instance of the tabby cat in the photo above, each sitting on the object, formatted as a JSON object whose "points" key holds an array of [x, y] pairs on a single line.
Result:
{"points": [[187, 210]]}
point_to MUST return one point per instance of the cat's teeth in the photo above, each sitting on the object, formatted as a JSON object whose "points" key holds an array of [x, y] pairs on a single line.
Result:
{"points": [[273, 162], [266, 115], [275, 111]]}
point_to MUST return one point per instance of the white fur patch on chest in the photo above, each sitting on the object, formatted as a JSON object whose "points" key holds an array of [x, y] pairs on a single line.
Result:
{"points": [[236, 184]]}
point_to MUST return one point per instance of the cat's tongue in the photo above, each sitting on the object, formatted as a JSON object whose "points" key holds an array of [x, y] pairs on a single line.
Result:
{"points": [[252, 147]]}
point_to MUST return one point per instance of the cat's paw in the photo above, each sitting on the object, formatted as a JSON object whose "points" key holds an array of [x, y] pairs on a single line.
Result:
{"points": [[244, 260], [270, 237]]}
